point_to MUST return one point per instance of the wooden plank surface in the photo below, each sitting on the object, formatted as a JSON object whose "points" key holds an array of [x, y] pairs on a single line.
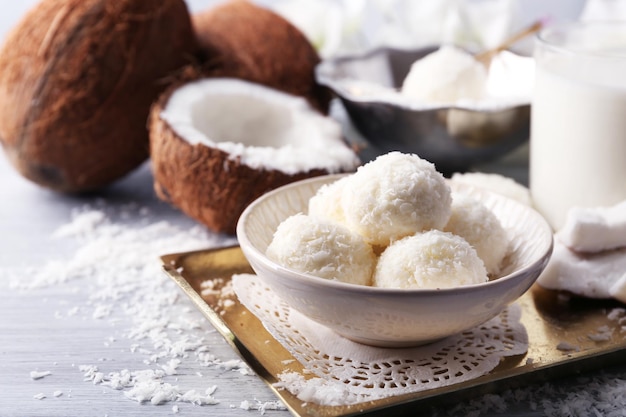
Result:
{"points": [[52, 329]]}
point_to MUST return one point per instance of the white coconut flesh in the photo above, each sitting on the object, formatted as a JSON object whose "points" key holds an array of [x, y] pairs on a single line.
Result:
{"points": [[263, 127]]}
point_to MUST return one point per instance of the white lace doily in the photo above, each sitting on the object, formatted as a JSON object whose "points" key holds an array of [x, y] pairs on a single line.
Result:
{"points": [[347, 372]]}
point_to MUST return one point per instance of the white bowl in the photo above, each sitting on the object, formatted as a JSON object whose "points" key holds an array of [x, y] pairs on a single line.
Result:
{"points": [[395, 317]]}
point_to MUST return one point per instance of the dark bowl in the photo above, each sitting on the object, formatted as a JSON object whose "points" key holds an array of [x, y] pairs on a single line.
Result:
{"points": [[453, 138]]}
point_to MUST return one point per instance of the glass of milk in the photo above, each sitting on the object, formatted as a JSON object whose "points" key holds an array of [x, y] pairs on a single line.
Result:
{"points": [[578, 119]]}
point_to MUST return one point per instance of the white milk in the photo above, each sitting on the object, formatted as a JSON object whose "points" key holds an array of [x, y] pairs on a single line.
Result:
{"points": [[578, 121], [578, 149]]}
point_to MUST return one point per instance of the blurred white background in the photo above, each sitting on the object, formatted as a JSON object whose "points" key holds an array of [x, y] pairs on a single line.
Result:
{"points": [[344, 26]]}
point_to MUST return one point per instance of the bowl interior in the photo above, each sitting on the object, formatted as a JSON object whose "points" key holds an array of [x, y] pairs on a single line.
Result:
{"points": [[395, 317]]}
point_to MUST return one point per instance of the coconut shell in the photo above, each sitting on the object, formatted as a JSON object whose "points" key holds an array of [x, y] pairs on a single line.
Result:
{"points": [[77, 79], [204, 182], [261, 46]]}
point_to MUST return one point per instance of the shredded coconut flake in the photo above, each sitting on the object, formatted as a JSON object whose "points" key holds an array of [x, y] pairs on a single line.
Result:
{"points": [[39, 374], [316, 390], [117, 260], [602, 334], [567, 347], [262, 406]]}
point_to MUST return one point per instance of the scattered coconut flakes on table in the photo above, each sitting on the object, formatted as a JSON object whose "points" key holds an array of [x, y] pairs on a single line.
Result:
{"points": [[39, 374], [602, 395], [122, 286], [221, 288]]}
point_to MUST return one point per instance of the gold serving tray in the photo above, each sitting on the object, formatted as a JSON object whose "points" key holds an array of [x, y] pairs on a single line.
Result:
{"points": [[551, 319]]}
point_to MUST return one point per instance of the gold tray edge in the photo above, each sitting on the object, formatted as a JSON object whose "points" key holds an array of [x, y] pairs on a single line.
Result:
{"points": [[237, 345]]}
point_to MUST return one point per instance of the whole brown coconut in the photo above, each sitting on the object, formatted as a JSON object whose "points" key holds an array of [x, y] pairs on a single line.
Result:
{"points": [[261, 46], [77, 79]]}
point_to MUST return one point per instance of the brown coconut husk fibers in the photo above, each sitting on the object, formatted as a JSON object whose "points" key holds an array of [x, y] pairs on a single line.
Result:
{"points": [[77, 79], [263, 47]]}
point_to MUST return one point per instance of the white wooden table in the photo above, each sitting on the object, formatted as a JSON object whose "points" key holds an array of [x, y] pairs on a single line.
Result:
{"points": [[54, 328]]}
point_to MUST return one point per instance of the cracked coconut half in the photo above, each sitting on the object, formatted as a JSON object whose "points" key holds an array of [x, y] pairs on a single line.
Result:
{"points": [[219, 143]]}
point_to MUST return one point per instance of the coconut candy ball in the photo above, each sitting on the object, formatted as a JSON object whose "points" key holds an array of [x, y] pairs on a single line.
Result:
{"points": [[394, 196], [429, 260], [446, 76], [496, 183], [478, 225], [322, 248], [326, 203]]}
